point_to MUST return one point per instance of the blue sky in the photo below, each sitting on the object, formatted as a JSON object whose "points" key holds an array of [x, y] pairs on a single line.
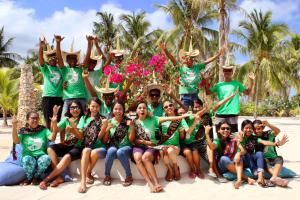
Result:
{"points": [[27, 20]]}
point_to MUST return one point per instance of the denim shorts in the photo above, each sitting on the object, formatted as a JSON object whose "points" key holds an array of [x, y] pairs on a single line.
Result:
{"points": [[187, 99]]}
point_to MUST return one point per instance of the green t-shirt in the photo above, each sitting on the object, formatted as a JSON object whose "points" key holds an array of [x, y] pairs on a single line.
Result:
{"points": [[269, 151], [105, 110], [150, 125], [189, 138], [190, 78], [84, 122], [75, 83], [225, 89], [217, 142], [94, 78], [35, 144], [63, 124], [52, 81], [158, 111], [125, 141], [174, 139]]}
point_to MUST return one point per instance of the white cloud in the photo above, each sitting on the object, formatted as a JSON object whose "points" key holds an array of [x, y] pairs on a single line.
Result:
{"points": [[22, 24], [286, 11]]}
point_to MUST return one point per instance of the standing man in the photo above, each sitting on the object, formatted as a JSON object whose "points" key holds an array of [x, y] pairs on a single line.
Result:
{"points": [[229, 111]]}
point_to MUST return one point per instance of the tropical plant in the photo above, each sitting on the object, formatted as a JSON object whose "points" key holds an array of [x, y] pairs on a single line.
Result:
{"points": [[8, 93], [7, 59]]}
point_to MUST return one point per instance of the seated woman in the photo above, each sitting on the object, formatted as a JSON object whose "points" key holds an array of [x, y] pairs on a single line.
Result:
{"points": [[227, 154], [34, 139], [120, 134], [145, 142], [70, 149], [267, 139], [92, 128]]}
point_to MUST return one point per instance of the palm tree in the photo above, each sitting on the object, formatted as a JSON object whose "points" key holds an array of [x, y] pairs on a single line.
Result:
{"points": [[8, 93], [262, 38], [105, 29], [7, 59]]}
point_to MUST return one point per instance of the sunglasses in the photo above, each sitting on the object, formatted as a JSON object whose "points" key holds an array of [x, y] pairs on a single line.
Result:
{"points": [[154, 95], [225, 128], [227, 70], [168, 106], [74, 108]]}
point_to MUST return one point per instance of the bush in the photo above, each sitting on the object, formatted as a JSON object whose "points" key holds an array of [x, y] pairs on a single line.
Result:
{"points": [[295, 112]]}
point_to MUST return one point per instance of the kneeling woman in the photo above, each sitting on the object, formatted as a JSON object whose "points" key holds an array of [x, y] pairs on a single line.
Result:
{"points": [[34, 139], [92, 126], [145, 140], [120, 134], [227, 153]]}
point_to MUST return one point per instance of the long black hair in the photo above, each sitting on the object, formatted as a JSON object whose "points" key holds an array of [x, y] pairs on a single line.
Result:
{"points": [[245, 123], [68, 113], [95, 99]]}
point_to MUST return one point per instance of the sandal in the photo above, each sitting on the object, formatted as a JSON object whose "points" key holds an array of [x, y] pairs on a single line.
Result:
{"points": [[128, 181], [90, 180], [169, 176], [262, 184], [177, 174], [107, 181]]}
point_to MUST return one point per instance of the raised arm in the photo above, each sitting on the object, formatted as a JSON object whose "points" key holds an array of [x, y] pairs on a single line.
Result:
{"points": [[15, 137], [123, 94], [211, 59], [42, 45], [58, 40], [172, 95], [111, 56], [192, 127], [100, 52], [102, 132], [251, 77], [74, 130], [210, 144], [88, 85], [173, 118], [53, 125], [275, 129], [88, 51], [220, 103], [168, 54]]}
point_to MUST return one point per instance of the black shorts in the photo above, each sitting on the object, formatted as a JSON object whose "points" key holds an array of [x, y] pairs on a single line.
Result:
{"points": [[48, 104], [200, 146], [62, 149], [271, 162]]}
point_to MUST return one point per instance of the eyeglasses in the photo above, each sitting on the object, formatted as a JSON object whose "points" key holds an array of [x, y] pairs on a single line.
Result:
{"points": [[227, 70], [168, 106], [225, 128], [74, 107], [154, 95], [34, 118]]}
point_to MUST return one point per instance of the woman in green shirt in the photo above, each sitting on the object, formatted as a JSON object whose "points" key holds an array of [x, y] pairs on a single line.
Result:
{"points": [[70, 149], [120, 134], [91, 129], [34, 139]]}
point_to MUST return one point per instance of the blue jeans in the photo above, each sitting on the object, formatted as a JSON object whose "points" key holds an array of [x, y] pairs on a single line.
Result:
{"points": [[68, 101], [101, 152], [187, 99], [225, 161], [256, 161], [123, 154]]}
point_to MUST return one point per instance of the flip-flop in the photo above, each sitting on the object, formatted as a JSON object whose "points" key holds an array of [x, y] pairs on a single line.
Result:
{"points": [[128, 181], [90, 180], [107, 181], [263, 184], [177, 176], [169, 176]]}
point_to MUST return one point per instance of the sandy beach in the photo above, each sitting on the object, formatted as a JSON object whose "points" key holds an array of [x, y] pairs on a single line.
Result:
{"points": [[186, 188]]}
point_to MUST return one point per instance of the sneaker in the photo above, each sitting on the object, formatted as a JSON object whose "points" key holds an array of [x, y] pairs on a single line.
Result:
{"points": [[222, 180], [211, 173]]}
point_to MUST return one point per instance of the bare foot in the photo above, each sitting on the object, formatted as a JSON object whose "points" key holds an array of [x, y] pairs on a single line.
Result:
{"points": [[151, 187], [176, 173], [237, 184], [82, 188], [158, 188], [250, 181]]}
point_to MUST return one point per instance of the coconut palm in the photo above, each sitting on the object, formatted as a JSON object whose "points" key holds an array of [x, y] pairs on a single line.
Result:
{"points": [[7, 59], [105, 29], [8, 93], [262, 37]]}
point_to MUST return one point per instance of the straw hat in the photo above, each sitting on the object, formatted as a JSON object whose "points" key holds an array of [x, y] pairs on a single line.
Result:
{"points": [[191, 52], [106, 89], [71, 52], [49, 52], [154, 85], [94, 57], [228, 67], [118, 51]]}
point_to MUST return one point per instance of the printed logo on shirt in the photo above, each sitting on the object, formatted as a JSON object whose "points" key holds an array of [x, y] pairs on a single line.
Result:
{"points": [[34, 144], [189, 77], [55, 77], [72, 77]]}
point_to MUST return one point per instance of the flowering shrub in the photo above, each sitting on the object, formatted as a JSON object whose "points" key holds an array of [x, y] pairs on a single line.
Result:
{"points": [[158, 61], [113, 71]]}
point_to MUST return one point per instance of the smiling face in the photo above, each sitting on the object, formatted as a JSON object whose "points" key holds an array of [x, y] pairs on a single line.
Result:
{"points": [[181, 111], [154, 95], [118, 110], [94, 108], [33, 120], [142, 110], [197, 107], [248, 130], [188, 61], [225, 130], [168, 108], [108, 98], [228, 73], [72, 60], [75, 110], [258, 129], [52, 60]]}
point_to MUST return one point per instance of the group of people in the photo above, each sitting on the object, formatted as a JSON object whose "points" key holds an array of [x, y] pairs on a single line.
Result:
{"points": [[95, 122]]}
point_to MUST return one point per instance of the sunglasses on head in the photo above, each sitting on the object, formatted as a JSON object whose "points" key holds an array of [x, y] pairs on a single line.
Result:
{"points": [[168, 106], [154, 95], [225, 128], [74, 107]]}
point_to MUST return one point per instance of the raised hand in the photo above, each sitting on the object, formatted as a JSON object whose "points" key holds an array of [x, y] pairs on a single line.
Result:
{"points": [[96, 40], [72, 122], [265, 123], [85, 74], [207, 128], [251, 76], [283, 140], [42, 42], [58, 38], [14, 122], [56, 109], [90, 39]]}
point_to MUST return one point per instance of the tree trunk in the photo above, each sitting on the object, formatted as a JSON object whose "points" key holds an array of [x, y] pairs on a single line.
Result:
{"points": [[222, 36], [5, 124], [257, 87]]}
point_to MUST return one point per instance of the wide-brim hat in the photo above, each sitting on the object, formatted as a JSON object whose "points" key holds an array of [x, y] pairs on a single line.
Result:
{"points": [[191, 52], [49, 53], [228, 67], [118, 51], [106, 89], [65, 54]]}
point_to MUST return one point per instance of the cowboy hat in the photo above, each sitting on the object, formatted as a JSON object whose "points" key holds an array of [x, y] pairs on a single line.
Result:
{"points": [[228, 67], [106, 89], [154, 85], [71, 52], [94, 57], [118, 51], [49, 53], [191, 52]]}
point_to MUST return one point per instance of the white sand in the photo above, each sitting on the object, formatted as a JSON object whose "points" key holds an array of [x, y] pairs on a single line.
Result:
{"points": [[183, 189]]}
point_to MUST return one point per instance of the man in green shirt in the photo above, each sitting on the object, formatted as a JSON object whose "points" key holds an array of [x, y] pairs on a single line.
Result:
{"points": [[73, 83], [230, 110], [52, 90], [189, 71]]}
